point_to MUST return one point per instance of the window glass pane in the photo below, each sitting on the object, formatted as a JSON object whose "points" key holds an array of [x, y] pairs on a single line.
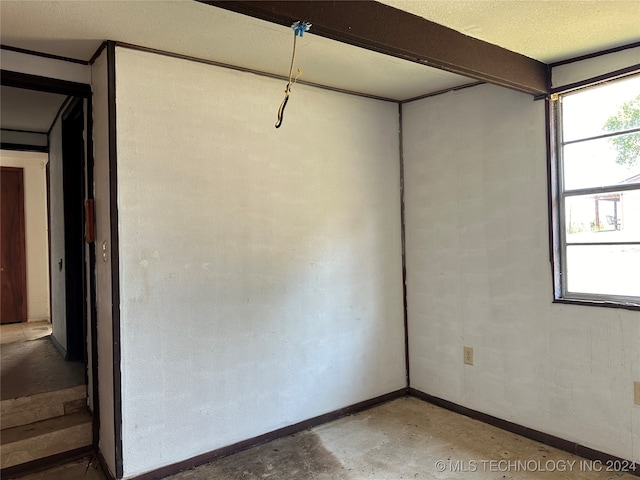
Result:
{"points": [[600, 244], [601, 110], [603, 162], [607, 217], [606, 269]]}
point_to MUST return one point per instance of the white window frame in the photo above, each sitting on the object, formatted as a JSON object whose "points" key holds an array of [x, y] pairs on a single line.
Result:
{"points": [[557, 204]]}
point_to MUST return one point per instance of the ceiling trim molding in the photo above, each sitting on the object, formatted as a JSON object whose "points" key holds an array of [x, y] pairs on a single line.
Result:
{"points": [[595, 54], [41, 54], [24, 147], [17, 130], [631, 70], [384, 29], [440, 92], [251, 70], [98, 52], [44, 84]]}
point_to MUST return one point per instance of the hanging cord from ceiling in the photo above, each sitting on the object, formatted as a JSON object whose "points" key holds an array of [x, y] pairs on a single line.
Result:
{"points": [[298, 30]]}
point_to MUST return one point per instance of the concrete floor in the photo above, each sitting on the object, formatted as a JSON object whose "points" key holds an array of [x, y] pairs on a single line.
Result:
{"points": [[31, 364], [24, 331], [403, 439]]}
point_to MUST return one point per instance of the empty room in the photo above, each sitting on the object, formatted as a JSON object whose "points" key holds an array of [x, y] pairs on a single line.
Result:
{"points": [[332, 240]]}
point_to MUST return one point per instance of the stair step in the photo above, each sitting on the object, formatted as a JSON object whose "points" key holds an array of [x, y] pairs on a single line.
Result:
{"points": [[35, 408], [25, 443]]}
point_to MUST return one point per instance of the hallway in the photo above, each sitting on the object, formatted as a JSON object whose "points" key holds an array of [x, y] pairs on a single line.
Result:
{"points": [[43, 397], [31, 364]]}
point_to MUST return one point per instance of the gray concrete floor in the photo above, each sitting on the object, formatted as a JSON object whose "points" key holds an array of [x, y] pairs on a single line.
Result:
{"points": [[403, 439], [23, 331], [31, 364]]}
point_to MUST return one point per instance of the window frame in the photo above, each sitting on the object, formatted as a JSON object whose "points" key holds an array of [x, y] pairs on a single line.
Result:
{"points": [[558, 194]]}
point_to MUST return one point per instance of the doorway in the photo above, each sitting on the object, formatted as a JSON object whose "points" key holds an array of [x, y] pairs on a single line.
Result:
{"points": [[73, 192], [65, 355]]}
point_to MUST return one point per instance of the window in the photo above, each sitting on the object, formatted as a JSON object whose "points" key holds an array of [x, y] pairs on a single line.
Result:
{"points": [[596, 200]]}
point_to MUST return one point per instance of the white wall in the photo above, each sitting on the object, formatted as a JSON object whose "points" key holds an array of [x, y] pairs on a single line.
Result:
{"points": [[478, 274], [35, 212], [45, 67], [56, 213], [23, 138], [103, 267], [593, 67], [260, 269]]}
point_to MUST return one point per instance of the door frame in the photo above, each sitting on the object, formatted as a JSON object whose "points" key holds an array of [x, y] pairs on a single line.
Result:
{"points": [[82, 91]]}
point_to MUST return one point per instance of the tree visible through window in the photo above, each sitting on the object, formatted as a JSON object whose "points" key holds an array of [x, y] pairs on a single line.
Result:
{"points": [[627, 146], [598, 192]]}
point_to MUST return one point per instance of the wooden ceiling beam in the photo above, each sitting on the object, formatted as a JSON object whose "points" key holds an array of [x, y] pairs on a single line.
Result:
{"points": [[394, 32]]}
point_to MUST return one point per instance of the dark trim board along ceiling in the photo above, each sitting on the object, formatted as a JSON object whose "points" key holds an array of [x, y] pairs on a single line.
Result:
{"points": [[44, 84], [384, 29]]}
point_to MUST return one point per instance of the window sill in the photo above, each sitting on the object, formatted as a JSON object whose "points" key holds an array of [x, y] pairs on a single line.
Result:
{"points": [[596, 303]]}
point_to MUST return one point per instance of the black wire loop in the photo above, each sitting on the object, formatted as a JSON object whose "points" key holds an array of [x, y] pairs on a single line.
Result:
{"points": [[281, 110]]}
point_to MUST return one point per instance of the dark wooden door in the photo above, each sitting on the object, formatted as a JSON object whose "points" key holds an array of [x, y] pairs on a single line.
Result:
{"points": [[13, 269]]}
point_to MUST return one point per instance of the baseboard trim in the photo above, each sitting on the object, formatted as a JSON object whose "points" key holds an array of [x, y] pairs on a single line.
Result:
{"points": [[40, 464], [59, 346], [547, 439], [267, 437]]}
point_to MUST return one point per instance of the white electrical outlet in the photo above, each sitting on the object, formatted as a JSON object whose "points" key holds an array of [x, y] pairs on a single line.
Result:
{"points": [[468, 355], [636, 393]]}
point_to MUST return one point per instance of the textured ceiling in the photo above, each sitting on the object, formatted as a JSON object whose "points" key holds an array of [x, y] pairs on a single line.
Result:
{"points": [[28, 110], [547, 30]]}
